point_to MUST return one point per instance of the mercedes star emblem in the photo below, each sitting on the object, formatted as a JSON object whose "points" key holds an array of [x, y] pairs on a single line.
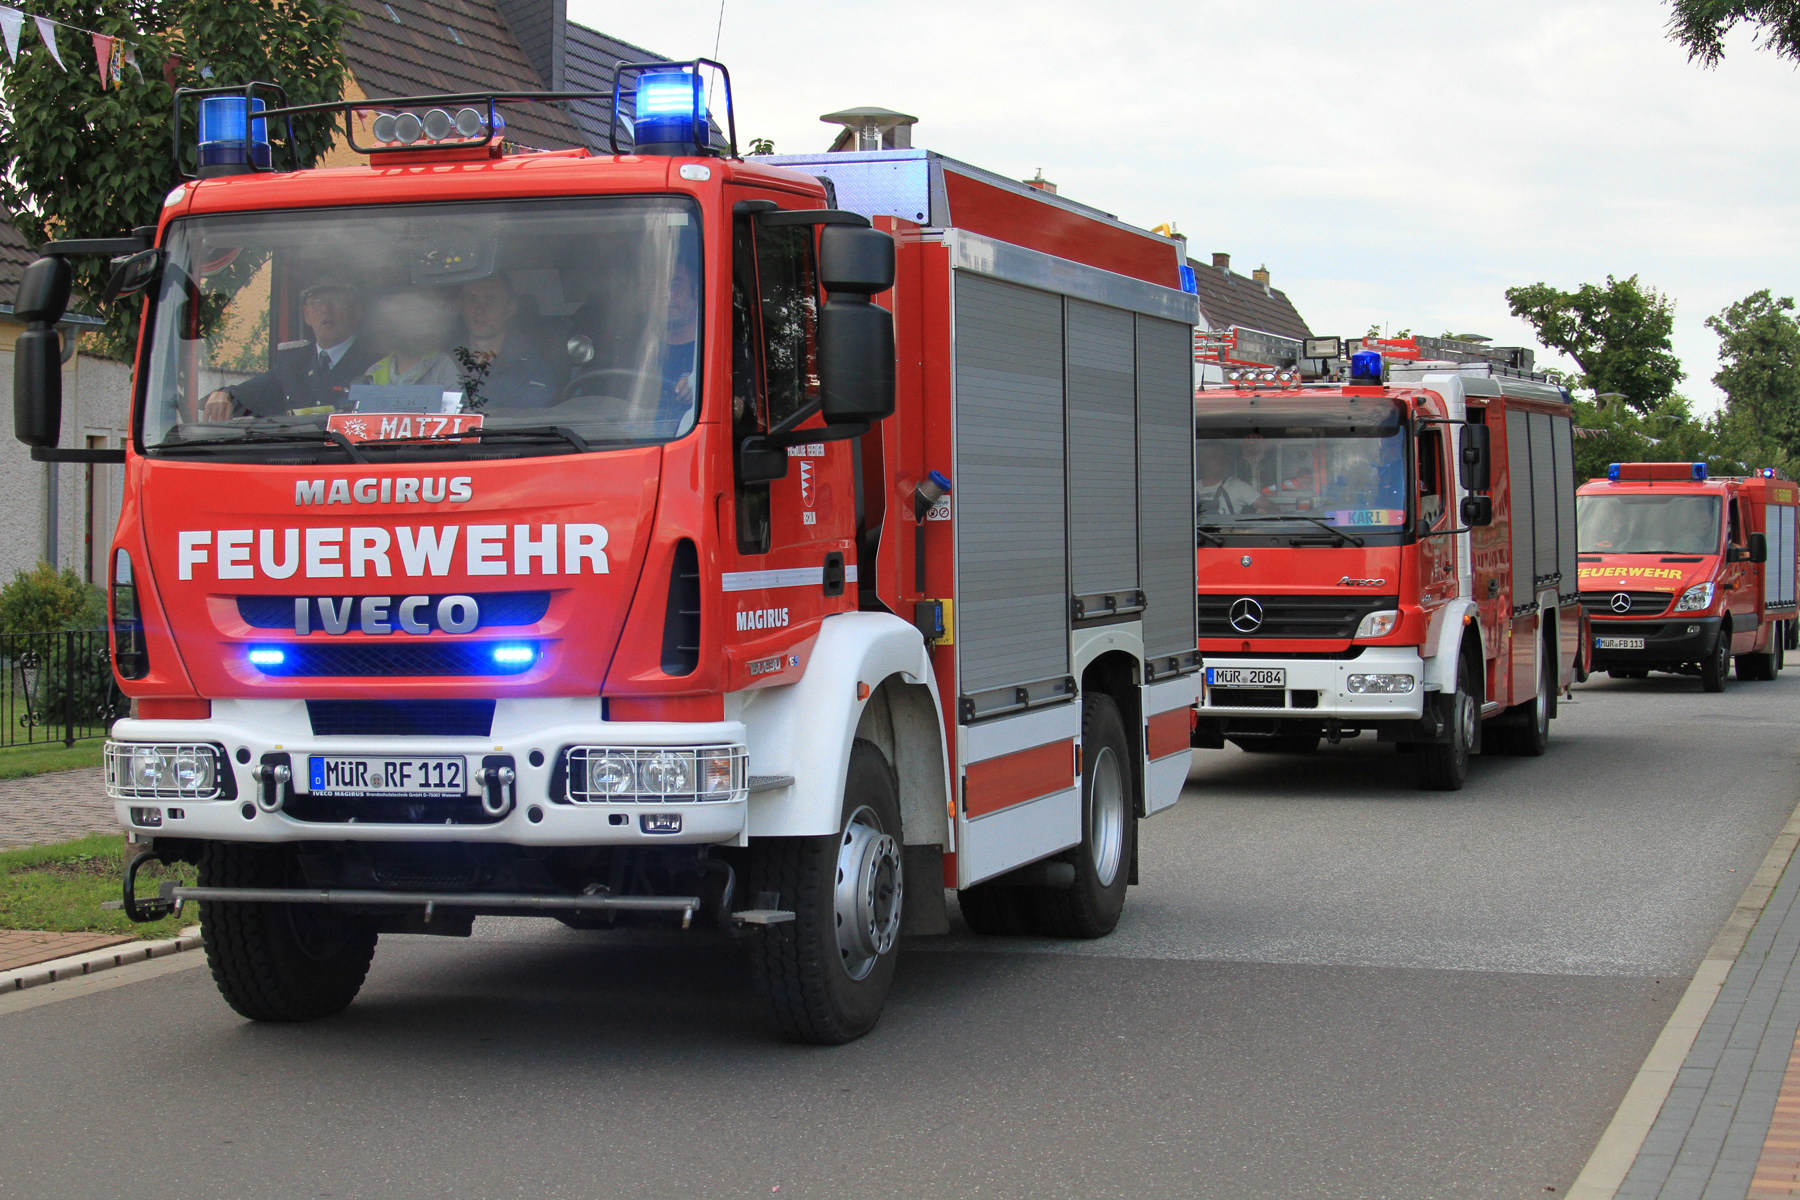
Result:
{"points": [[1621, 602], [1244, 561], [1246, 615]]}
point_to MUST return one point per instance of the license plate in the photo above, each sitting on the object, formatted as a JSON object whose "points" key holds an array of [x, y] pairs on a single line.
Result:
{"points": [[382, 775], [1613, 643], [1270, 677]]}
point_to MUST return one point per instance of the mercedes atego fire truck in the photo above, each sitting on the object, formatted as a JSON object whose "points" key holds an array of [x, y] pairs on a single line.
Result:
{"points": [[1681, 572], [638, 563], [1388, 559]]}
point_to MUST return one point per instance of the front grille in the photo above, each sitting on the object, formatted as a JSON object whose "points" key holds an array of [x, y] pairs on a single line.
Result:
{"points": [[1247, 697], [1328, 618], [1643, 604], [496, 608], [351, 659], [388, 810], [401, 718]]}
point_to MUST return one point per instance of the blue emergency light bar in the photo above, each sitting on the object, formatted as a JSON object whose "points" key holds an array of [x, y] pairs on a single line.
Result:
{"points": [[669, 100], [1657, 472], [222, 131]]}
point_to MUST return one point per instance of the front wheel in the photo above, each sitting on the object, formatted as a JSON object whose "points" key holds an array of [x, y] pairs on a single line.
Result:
{"points": [[278, 962], [1717, 666], [827, 972], [1444, 766]]}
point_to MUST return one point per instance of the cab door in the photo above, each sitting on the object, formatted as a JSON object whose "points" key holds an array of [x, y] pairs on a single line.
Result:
{"points": [[1739, 579], [1433, 521]]}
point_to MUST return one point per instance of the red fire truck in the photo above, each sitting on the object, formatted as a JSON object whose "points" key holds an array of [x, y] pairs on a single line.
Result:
{"points": [[1681, 572], [1396, 559], [637, 563]]}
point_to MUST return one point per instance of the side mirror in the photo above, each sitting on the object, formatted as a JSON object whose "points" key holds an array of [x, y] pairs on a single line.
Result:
{"points": [[1759, 548], [1473, 459], [856, 336], [132, 274], [759, 462], [42, 298], [1478, 510]]}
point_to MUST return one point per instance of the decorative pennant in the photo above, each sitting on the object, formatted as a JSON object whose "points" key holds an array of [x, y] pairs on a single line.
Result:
{"points": [[103, 52], [12, 22], [47, 31], [171, 65], [129, 59]]}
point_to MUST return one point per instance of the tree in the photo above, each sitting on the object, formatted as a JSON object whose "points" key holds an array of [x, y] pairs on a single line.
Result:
{"points": [[85, 160], [44, 599], [1700, 26], [1759, 347], [1618, 335]]}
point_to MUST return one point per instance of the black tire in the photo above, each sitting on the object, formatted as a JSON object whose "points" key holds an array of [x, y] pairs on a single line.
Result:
{"points": [[1091, 907], [1528, 736], [1444, 766], [1717, 666], [278, 962], [823, 985], [1760, 668], [1280, 743], [998, 911]]}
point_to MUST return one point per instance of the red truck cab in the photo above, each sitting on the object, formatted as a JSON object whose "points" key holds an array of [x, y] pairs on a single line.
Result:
{"points": [[1682, 572]]}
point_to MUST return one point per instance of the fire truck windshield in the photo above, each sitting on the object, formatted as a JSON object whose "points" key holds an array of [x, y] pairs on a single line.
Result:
{"points": [[446, 330], [1268, 464], [1648, 523]]}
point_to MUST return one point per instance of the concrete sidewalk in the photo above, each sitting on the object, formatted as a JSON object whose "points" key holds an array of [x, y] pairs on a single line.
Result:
{"points": [[54, 808], [1730, 1126]]}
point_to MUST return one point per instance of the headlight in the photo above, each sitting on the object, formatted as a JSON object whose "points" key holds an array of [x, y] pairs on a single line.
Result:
{"points": [[189, 772], [1377, 624], [1696, 598], [1379, 684], [655, 774]]}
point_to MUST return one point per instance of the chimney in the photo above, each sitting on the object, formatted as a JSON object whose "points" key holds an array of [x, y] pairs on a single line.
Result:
{"points": [[541, 29], [1040, 183], [1221, 261], [1261, 275]]}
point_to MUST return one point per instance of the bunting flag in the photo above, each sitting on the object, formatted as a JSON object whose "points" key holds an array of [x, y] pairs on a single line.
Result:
{"points": [[47, 30], [12, 22], [103, 53], [171, 65]]}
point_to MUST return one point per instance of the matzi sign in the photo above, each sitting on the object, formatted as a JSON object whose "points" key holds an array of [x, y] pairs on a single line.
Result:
{"points": [[378, 427]]}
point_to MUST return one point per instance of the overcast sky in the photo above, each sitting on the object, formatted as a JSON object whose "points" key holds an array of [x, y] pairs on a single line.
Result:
{"points": [[1399, 163]]}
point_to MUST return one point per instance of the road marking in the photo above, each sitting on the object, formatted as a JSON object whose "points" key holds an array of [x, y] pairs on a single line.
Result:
{"points": [[87, 985], [1624, 1137]]}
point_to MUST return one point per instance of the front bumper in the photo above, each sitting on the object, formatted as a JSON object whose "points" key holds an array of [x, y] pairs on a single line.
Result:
{"points": [[1317, 688], [1670, 641], [522, 729]]}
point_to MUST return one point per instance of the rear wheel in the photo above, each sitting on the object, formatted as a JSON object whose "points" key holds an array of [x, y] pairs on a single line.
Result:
{"points": [[1760, 668], [827, 972], [1444, 766], [278, 962], [1090, 908], [1717, 666], [1278, 743], [1530, 736]]}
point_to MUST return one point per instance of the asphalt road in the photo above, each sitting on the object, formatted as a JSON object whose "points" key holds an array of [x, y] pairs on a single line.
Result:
{"points": [[1328, 985]]}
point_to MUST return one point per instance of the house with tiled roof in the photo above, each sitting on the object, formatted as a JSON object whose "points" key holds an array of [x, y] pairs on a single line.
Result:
{"points": [[1245, 321]]}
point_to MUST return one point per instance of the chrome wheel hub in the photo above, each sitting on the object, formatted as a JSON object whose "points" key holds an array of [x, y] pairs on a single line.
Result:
{"points": [[1106, 816], [870, 889]]}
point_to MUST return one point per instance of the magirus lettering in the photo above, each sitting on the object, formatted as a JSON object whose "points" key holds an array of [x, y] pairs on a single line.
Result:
{"points": [[762, 618], [385, 490]]}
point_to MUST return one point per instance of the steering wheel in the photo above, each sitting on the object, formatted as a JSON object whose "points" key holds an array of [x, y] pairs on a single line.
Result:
{"points": [[568, 391]]}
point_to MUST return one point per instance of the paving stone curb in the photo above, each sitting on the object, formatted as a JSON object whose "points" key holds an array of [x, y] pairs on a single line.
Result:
{"points": [[1618, 1148], [77, 965]]}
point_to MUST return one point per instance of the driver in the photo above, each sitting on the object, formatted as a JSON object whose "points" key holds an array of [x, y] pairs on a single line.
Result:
{"points": [[1220, 491], [306, 374], [516, 376]]}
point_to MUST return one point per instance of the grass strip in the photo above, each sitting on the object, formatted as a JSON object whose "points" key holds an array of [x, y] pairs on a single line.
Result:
{"points": [[22, 762], [59, 887]]}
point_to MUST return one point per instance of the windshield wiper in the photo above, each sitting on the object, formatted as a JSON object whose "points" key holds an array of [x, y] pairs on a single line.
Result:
{"points": [[329, 437], [481, 433], [1343, 539]]}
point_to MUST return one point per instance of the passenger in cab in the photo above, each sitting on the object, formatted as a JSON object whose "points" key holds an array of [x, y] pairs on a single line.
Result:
{"points": [[306, 374], [516, 376], [1221, 491], [419, 324], [680, 358]]}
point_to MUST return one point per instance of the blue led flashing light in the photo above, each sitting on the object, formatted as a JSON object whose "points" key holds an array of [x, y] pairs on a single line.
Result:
{"points": [[267, 656], [1612, 472], [1189, 283], [1365, 367], [667, 102], [514, 655], [1699, 470], [222, 132], [1768, 472]]}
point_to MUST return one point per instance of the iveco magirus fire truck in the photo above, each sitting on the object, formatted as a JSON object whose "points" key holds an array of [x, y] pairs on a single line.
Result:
{"points": [[1681, 572], [513, 533], [1389, 559]]}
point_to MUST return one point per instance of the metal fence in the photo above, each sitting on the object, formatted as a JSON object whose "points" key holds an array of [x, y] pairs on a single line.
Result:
{"points": [[59, 687]]}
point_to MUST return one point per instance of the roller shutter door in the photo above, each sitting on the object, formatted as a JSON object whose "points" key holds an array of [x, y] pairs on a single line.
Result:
{"points": [[1543, 497], [1519, 504], [1563, 436], [1012, 569], [1103, 467], [1166, 484]]}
